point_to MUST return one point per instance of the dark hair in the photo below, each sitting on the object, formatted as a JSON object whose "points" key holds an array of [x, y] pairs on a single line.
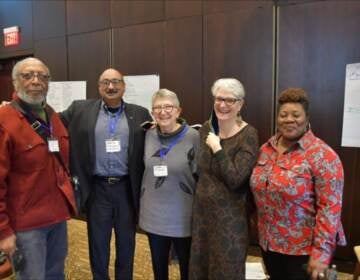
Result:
{"points": [[294, 95]]}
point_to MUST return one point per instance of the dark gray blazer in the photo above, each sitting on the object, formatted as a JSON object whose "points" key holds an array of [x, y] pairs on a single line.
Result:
{"points": [[80, 119]]}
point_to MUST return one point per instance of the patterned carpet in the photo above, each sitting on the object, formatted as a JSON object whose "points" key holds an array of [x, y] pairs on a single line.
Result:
{"points": [[77, 263], [78, 268]]}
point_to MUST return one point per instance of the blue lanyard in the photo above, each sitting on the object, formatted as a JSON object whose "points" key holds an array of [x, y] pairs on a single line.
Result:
{"points": [[41, 124], [163, 151], [113, 121]]}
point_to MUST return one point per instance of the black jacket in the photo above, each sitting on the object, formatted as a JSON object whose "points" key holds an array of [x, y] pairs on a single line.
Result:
{"points": [[80, 119]]}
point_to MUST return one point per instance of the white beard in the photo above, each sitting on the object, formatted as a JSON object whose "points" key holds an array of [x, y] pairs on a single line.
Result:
{"points": [[30, 99]]}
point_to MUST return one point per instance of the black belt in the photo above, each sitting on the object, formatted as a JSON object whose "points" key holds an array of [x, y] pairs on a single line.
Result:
{"points": [[111, 180]]}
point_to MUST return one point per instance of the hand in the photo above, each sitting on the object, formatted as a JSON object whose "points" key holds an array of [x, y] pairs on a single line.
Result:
{"points": [[8, 245], [4, 103], [315, 267], [213, 141]]}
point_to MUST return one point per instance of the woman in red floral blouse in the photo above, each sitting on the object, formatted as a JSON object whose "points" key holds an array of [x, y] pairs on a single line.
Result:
{"points": [[298, 185]]}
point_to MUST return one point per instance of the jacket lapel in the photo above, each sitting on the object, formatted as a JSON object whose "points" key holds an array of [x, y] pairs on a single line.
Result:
{"points": [[130, 118], [93, 115]]}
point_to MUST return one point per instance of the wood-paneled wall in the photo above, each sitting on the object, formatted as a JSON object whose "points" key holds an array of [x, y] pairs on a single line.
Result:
{"points": [[268, 45], [316, 41]]}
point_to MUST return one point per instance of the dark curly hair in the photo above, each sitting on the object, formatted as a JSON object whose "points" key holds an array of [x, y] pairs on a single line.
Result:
{"points": [[294, 95]]}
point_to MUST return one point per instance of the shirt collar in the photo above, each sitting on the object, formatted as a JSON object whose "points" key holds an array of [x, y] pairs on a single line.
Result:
{"points": [[304, 142], [105, 109]]}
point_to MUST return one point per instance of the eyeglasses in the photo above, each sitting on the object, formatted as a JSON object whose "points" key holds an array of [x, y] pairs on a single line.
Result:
{"points": [[31, 75], [166, 108], [228, 101], [107, 82]]}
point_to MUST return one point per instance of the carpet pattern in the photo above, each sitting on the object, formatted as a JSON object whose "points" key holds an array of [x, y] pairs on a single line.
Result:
{"points": [[77, 262]]}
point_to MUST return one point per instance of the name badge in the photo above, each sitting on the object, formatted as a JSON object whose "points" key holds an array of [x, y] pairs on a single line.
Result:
{"points": [[160, 171], [112, 146], [53, 145]]}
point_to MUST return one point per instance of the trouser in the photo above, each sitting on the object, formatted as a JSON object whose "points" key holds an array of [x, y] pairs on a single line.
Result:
{"points": [[110, 207], [281, 266], [160, 248], [43, 251]]}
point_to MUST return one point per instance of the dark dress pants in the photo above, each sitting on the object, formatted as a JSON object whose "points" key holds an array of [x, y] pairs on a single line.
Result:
{"points": [[160, 249], [110, 207], [281, 266]]}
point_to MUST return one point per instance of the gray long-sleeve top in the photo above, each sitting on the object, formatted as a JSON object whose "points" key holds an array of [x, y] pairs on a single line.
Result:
{"points": [[166, 202]]}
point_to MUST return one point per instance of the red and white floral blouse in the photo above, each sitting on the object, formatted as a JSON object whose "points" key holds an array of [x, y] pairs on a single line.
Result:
{"points": [[299, 196]]}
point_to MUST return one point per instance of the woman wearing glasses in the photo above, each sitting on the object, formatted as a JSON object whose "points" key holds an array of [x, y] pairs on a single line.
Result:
{"points": [[168, 184], [228, 148]]}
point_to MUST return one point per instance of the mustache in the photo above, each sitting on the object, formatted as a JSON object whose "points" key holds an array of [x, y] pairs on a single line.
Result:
{"points": [[112, 90]]}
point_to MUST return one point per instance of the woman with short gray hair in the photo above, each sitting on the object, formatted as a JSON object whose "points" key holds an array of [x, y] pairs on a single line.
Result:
{"points": [[168, 185], [228, 149]]}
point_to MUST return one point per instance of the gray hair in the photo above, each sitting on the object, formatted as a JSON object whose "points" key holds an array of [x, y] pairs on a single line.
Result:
{"points": [[19, 64], [231, 85], [165, 93]]}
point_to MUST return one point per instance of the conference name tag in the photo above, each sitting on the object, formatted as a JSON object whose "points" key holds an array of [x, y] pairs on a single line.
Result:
{"points": [[160, 171], [112, 146], [53, 145]]}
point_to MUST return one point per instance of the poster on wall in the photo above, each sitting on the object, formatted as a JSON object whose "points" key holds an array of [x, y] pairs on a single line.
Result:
{"points": [[139, 89], [61, 94], [351, 120]]}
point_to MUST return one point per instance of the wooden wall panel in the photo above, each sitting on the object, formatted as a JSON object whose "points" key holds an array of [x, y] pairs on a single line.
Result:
{"points": [[49, 19], [182, 8], [53, 53], [85, 16], [89, 56], [16, 13], [6, 86], [316, 41], [139, 49], [240, 44], [183, 65], [221, 6], [125, 13]]}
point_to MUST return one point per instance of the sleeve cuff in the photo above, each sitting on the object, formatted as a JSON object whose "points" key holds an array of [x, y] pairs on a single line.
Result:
{"points": [[321, 256], [219, 155]]}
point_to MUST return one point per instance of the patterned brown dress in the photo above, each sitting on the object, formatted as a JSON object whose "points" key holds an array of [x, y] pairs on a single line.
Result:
{"points": [[220, 226]]}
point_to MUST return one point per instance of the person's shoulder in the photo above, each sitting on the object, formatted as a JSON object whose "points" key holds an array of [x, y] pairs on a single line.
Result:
{"points": [[135, 107], [6, 108], [85, 102], [5, 111], [320, 149], [151, 131], [251, 129], [322, 145], [193, 132]]}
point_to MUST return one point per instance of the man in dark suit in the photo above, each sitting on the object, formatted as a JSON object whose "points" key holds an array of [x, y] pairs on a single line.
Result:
{"points": [[107, 144]]}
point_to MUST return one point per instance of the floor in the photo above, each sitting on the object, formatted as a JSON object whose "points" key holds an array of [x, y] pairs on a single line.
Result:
{"points": [[78, 268]]}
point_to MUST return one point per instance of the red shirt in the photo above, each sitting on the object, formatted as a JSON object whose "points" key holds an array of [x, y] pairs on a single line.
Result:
{"points": [[299, 197]]}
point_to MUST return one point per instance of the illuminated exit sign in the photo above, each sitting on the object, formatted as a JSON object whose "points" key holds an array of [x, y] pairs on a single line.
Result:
{"points": [[11, 36]]}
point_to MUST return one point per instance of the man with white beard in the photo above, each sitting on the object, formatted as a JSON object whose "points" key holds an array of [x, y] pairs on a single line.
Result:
{"points": [[36, 196]]}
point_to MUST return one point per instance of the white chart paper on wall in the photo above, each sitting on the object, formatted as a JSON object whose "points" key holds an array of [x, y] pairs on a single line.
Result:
{"points": [[351, 127], [61, 94], [139, 89]]}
